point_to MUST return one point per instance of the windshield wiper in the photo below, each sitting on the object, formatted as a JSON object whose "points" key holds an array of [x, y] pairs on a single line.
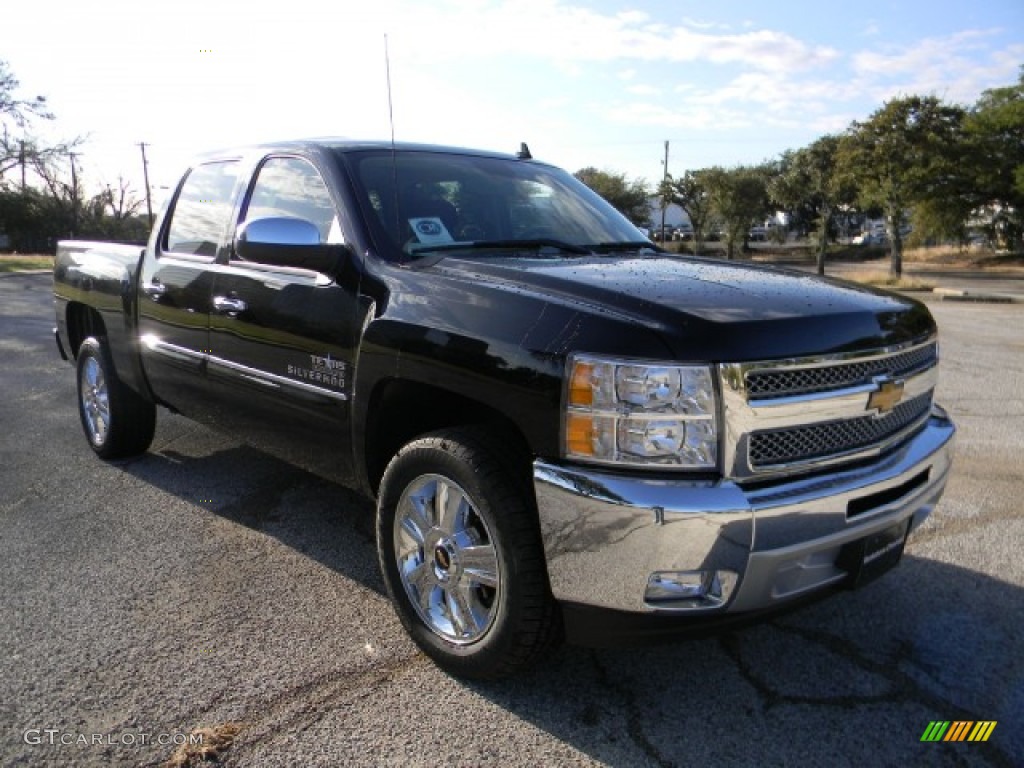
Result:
{"points": [[530, 244], [620, 247]]}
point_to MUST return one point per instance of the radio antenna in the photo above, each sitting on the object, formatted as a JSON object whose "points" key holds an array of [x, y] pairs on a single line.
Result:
{"points": [[394, 158], [387, 72]]}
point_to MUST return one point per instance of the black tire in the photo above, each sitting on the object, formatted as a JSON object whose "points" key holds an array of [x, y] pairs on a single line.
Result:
{"points": [[117, 421], [487, 610]]}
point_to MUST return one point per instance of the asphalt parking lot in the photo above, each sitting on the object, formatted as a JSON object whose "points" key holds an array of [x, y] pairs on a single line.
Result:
{"points": [[208, 584]]}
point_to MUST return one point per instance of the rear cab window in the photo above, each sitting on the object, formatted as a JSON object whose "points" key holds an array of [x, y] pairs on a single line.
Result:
{"points": [[202, 210]]}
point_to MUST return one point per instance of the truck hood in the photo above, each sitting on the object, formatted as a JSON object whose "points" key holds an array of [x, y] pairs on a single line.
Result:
{"points": [[707, 309]]}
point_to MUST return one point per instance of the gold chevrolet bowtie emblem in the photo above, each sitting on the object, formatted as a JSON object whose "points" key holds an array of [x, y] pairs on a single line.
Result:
{"points": [[886, 397]]}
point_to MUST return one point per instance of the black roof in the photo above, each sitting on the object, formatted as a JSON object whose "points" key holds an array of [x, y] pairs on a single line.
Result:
{"points": [[344, 145]]}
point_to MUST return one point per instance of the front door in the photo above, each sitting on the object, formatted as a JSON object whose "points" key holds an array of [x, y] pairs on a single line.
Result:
{"points": [[282, 340]]}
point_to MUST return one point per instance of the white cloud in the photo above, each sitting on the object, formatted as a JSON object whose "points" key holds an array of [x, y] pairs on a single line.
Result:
{"points": [[955, 67], [697, 24], [929, 55], [697, 117], [553, 30], [643, 90]]}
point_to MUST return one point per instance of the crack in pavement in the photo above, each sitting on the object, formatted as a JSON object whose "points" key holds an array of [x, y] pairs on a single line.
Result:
{"points": [[955, 526], [634, 723], [302, 706], [904, 688]]}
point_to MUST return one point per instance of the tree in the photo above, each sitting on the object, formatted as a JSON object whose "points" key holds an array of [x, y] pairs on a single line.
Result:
{"points": [[31, 218], [630, 198], [113, 214], [809, 178], [691, 194], [905, 153], [738, 197], [17, 109], [995, 132], [16, 112]]}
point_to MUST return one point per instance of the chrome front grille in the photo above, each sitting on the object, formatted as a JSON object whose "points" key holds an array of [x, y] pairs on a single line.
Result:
{"points": [[784, 417], [833, 438], [797, 381]]}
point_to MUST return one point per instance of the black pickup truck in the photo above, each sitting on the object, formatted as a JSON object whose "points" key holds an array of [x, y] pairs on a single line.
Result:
{"points": [[568, 432]]}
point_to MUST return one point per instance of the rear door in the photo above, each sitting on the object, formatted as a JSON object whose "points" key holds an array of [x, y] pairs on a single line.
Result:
{"points": [[282, 340], [176, 282]]}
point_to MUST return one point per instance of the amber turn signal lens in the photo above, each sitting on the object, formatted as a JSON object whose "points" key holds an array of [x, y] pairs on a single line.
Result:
{"points": [[581, 388], [579, 434]]}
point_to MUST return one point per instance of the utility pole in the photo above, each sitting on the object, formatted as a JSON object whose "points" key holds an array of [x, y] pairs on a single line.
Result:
{"points": [[21, 162], [74, 194], [664, 202], [145, 176]]}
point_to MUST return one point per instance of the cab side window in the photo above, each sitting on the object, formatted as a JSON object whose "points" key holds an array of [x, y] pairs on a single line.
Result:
{"points": [[202, 209], [291, 187]]}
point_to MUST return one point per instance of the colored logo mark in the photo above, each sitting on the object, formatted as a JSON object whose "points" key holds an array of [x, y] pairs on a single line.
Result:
{"points": [[886, 397], [958, 730]]}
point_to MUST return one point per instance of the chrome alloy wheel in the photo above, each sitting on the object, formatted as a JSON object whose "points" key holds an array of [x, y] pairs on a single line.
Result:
{"points": [[446, 559], [95, 401]]}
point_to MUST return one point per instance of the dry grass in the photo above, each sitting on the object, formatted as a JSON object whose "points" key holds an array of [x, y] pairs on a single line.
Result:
{"points": [[944, 255], [976, 257], [19, 262], [215, 738], [999, 260]]}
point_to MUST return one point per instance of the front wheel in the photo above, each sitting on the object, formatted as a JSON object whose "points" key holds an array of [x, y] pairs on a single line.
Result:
{"points": [[117, 421], [460, 551]]}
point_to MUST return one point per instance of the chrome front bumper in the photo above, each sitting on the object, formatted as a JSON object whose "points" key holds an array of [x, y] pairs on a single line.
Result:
{"points": [[608, 536]]}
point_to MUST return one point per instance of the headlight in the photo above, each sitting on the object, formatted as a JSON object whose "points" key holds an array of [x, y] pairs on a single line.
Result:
{"points": [[632, 413]]}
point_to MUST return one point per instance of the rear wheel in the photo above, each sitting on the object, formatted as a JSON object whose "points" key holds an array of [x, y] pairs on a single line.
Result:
{"points": [[117, 421], [461, 556]]}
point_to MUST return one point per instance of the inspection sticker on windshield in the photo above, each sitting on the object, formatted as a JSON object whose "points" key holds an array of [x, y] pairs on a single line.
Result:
{"points": [[430, 230]]}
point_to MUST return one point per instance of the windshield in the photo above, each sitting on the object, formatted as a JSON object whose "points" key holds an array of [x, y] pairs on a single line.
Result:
{"points": [[431, 201]]}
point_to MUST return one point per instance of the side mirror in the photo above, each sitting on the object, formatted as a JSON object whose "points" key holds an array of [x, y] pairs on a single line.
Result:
{"points": [[287, 242]]}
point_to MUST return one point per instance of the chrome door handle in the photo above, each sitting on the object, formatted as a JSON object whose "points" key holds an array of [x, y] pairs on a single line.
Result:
{"points": [[229, 305], [155, 290]]}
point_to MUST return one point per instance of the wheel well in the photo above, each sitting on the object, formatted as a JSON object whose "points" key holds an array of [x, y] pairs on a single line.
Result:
{"points": [[83, 322], [400, 411]]}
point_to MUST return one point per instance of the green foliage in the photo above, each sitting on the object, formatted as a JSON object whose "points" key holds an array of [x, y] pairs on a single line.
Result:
{"points": [[691, 194], [810, 180], [630, 198], [34, 220], [995, 132], [906, 153], [739, 196]]}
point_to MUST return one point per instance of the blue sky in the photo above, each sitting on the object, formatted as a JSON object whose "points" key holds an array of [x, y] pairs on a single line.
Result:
{"points": [[585, 83]]}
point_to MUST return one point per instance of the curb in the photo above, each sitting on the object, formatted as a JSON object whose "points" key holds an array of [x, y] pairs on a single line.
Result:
{"points": [[956, 294]]}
